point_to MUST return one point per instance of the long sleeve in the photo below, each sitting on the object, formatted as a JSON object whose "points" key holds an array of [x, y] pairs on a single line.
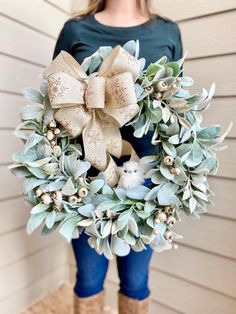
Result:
{"points": [[178, 46], [64, 40]]}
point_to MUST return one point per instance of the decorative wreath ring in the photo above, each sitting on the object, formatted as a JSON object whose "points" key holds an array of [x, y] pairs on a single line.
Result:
{"points": [[75, 100]]}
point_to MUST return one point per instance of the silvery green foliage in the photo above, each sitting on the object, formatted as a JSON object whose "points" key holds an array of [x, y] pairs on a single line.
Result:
{"points": [[47, 167], [175, 116], [118, 220]]}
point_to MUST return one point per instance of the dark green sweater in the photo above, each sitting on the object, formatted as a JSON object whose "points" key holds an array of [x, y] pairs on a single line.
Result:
{"points": [[83, 36], [161, 36]]}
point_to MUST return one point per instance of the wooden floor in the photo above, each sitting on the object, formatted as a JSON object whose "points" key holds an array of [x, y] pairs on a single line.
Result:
{"points": [[60, 301]]}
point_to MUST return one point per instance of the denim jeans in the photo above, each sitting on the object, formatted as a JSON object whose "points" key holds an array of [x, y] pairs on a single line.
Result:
{"points": [[133, 270]]}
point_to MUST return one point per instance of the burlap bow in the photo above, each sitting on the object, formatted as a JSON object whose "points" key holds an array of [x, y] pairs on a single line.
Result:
{"points": [[96, 106]]}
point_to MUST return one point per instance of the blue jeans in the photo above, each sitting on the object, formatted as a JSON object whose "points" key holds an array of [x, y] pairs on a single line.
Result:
{"points": [[133, 270]]}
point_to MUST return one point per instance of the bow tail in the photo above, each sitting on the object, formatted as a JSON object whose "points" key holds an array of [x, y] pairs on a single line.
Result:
{"points": [[127, 149], [111, 173], [94, 144], [112, 135]]}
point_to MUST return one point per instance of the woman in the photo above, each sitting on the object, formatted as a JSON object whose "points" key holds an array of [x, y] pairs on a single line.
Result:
{"points": [[109, 23]]}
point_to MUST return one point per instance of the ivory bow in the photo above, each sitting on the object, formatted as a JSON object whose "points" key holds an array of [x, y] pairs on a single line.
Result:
{"points": [[96, 106]]}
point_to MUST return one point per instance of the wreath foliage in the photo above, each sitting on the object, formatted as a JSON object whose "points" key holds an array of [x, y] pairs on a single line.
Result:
{"points": [[61, 195]]}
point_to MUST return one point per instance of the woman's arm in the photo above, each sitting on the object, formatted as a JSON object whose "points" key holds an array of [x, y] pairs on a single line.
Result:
{"points": [[64, 40], [178, 46]]}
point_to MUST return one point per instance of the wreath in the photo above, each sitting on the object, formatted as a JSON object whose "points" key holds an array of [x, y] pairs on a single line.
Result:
{"points": [[73, 123]]}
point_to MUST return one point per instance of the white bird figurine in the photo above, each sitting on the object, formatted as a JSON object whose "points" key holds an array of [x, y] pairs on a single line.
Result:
{"points": [[131, 175]]}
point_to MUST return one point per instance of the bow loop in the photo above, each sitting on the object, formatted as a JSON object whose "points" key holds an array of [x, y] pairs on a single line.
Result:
{"points": [[65, 91]]}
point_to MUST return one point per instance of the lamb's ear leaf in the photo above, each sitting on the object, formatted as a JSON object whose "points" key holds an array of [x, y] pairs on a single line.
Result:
{"points": [[195, 156], [46, 231], [119, 246], [138, 192], [96, 185], [192, 204], [39, 208], [107, 204], [123, 219], [83, 167], [133, 227], [32, 95], [32, 140], [51, 218], [151, 194], [120, 193], [165, 172], [107, 229], [106, 189], [130, 46], [21, 157], [107, 249], [181, 61], [30, 112], [86, 210], [68, 226], [169, 148], [35, 221], [69, 188], [137, 50], [186, 81]]}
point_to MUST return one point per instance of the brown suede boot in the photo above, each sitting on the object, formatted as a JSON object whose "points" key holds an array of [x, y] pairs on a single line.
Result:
{"points": [[132, 306], [89, 305]]}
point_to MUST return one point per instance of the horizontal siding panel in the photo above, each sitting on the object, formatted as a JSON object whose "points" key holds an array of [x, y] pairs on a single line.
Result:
{"points": [[215, 69], [63, 4], [201, 40], [35, 291], [31, 269], [221, 111], [12, 78], [213, 272], [164, 289], [185, 9], [14, 214], [77, 6], [209, 233], [40, 17], [227, 160], [15, 37], [10, 186], [223, 201], [187, 297], [156, 307], [23, 244], [11, 104]]}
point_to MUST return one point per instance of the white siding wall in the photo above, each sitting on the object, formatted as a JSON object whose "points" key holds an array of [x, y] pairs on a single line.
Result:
{"points": [[200, 276], [30, 266]]}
